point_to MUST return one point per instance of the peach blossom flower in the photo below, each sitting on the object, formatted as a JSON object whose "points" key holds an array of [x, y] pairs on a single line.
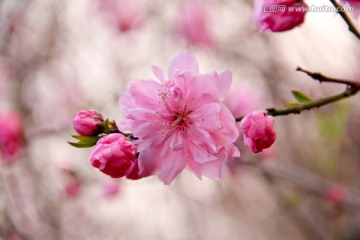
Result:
{"points": [[181, 121]]}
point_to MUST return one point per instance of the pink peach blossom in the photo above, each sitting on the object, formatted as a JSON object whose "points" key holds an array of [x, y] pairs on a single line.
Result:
{"points": [[353, 3], [114, 155], [259, 132], [194, 23], [181, 121], [125, 15], [11, 135], [279, 15], [88, 123]]}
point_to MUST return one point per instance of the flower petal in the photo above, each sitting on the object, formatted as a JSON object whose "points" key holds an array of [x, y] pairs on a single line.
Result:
{"points": [[183, 62], [174, 162], [159, 73], [143, 94], [223, 82]]}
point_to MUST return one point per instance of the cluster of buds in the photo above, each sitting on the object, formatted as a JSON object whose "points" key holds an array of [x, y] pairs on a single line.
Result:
{"points": [[114, 153]]}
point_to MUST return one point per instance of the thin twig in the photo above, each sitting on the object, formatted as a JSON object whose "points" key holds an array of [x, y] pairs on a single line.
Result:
{"points": [[347, 19], [322, 78], [351, 89]]}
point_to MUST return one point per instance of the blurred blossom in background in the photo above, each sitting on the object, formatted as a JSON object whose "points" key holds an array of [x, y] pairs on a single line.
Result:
{"points": [[60, 57]]}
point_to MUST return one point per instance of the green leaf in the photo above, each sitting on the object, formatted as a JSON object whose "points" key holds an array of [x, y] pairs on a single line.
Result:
{"points": [[106, 125], [300, 96], [86, 138], [82, 144], [291, 104]]}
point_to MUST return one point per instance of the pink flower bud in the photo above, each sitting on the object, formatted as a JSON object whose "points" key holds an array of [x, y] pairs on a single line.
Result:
{"points": [[259, 132], [114, 155], [279, 15], [88, 123], [134, 172], [11, 135]]}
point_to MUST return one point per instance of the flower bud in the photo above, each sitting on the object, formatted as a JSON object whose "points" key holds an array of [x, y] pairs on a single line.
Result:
{"points": [[88, 123], [114, 155], [259, 132], [279, 15]]}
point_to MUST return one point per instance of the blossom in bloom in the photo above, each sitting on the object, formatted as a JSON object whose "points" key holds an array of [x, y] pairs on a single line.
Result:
{"points": [[194, 23], [114, 155], [181, 121], [88, 123], [279, 15], [259, 132], [353, 3], [11, 135], [124, 14]]}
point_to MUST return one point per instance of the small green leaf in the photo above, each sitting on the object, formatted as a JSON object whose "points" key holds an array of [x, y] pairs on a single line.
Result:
{"points": [[86, 138], [300, 96], [106, 125], [291, 104], [82, 144]]}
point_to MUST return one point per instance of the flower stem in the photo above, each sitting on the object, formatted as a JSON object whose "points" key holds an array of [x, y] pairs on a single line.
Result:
{"points": [[347, 19], [351, 89], [307, 106]]}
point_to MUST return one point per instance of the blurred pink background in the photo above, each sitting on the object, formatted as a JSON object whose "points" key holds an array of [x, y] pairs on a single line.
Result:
{"points": [[59, 57]]}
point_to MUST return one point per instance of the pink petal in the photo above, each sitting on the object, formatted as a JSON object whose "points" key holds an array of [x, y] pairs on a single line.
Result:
{"points": [[143, 93], [177, 141], [159, 73], [184, 61], [206, 117], [228, 122], [199, 136], [203, 84], [199, 154], [223, 83], [174, 163], [149, 160], [210, 169]]}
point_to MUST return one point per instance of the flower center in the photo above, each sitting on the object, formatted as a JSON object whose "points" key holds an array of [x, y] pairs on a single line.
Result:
{"points": [[179, 119]]}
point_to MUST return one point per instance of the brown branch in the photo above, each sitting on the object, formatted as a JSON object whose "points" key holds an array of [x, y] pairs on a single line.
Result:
{"points": [[351, 89], [347, 20]]}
